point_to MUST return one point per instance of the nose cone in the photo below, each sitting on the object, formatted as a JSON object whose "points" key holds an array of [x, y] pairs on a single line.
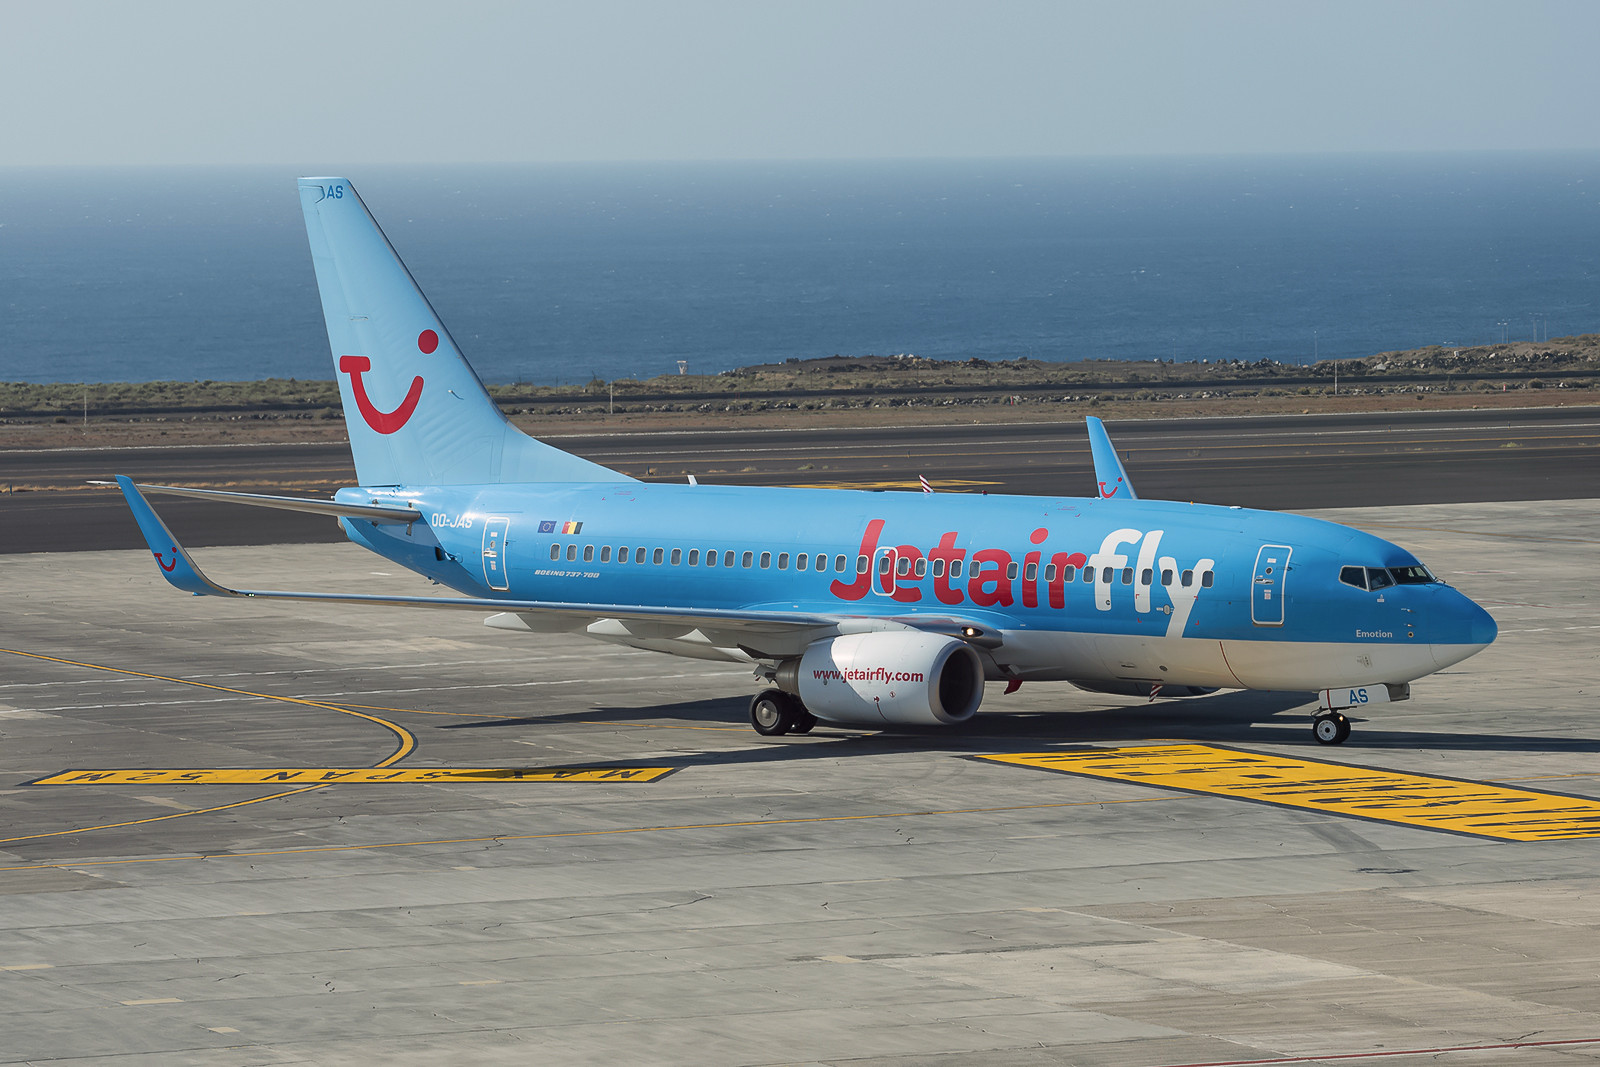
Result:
{"points": [[1481, 627], [1464, 629]]}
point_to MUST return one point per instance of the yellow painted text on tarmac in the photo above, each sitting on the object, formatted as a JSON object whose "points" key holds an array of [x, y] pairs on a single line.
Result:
{"points": [[352, 775], [1477, 808]]}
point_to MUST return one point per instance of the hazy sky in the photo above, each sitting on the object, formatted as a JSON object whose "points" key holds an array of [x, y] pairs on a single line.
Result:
{"points": [[161, 81]]}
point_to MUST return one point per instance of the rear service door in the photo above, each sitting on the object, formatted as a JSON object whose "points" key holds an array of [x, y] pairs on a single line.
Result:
{"points": [[1266, 588], [494, 553]]}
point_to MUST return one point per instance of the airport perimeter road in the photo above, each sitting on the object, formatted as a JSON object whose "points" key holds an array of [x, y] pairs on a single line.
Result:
{"points": [[190, 893], [1269, 462]]}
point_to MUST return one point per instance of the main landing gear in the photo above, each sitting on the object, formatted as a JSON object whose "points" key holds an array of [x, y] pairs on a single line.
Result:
{"points": [[774, 713], [1329, 728]]}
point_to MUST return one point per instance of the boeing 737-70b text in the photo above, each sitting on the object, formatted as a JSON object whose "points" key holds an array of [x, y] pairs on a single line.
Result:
{"points": [[859, 608]]}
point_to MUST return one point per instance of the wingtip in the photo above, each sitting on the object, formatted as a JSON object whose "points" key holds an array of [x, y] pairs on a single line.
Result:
{"points": [[1111, 479], [173, 559]]}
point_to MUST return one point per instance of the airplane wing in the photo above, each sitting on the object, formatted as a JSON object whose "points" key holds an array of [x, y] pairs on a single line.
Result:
{"points": [[1112, 480], [370, 512], [180, 570]]}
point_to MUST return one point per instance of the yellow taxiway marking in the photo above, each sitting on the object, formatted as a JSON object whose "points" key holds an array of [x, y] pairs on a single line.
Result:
{"points": [[351, 775], [407, 742], [1477, 808]]}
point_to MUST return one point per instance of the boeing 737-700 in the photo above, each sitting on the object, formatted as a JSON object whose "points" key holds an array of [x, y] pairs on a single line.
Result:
{"points": [[854, 608]]}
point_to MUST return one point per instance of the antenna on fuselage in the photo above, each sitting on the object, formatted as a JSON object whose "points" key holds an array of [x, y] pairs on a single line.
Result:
{"points": [[1112, 482]]}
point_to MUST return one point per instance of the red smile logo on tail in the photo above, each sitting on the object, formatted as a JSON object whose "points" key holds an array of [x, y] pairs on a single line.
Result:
{"points": [[386, 421]]}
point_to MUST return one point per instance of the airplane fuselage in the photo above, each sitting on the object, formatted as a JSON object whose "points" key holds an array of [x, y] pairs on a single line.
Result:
{"points": [[1097, 591]]}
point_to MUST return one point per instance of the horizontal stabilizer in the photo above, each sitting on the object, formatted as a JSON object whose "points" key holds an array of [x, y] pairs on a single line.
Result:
{"points": [[335, 508], [1111, 480]]}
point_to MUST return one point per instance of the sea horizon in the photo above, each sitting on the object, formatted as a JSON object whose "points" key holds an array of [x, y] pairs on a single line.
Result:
{"points": [[562, 273]]}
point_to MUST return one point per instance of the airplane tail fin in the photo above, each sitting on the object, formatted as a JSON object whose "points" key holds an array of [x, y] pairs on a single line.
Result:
{"points": [[1112, 480], [415, 410]]}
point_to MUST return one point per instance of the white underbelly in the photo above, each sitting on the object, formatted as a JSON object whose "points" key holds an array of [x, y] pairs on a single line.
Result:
{"points": [[1302, 665]]}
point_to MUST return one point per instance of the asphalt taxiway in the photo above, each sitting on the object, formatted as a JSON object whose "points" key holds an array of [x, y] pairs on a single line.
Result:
{"points": [[1274, 462], [842, 897]]}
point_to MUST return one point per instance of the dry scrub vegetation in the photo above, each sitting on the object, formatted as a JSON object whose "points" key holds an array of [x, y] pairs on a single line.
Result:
{"points": [[841, 389]]}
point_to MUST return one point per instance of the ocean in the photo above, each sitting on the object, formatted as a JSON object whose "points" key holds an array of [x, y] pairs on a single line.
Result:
{"points": [[564, 273]]}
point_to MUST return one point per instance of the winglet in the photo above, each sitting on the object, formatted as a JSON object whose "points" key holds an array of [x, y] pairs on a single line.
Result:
{"points": [[1112, 480], [181, 570]]}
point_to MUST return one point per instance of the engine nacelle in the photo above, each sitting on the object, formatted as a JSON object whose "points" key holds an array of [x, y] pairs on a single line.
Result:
{"points": [[900, 677]]}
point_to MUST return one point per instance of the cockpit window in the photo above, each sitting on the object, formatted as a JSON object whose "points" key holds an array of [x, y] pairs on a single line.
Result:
{"points": [[1375, 578], [1418, 575]]}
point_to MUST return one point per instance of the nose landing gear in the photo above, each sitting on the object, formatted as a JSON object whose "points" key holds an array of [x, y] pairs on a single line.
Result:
{"points": [[1330, 728]]}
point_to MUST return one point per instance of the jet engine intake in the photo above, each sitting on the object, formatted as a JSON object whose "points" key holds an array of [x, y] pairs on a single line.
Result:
{"points": [[902, 678]]}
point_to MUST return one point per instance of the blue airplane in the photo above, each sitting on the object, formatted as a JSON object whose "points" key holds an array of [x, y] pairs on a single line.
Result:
{"points": [[854, 608]]}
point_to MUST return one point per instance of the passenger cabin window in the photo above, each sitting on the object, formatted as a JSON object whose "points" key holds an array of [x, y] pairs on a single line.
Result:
{"points": [[555, 551], [638, 555], [1188, 579], [903, 567], [727, 558], [861, 564], [1030, 572], [1011, 571], [572, 553], [605, 553], [955, 568], [1127, 576], [694, 557], [783, 561], [1050, 572], [838, 564], [1146, 576], [766, 560], [822, 561], [711, 557], [883, 564], [1205, 579], [677, 556], [1166, 575], [801, 561], [588, 553], [655, 557], [938, 568], [1356, 576], [746, 559], [921, 568]]}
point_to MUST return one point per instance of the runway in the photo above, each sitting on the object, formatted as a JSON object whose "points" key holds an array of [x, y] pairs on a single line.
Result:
{"points": [[1280, 463], [838, 898]]}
